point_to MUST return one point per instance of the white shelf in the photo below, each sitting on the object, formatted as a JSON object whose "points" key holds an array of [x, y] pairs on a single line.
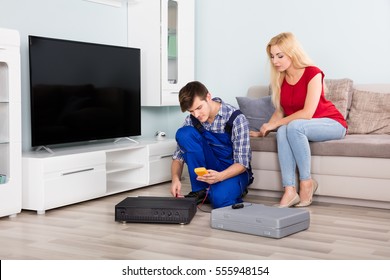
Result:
{"points": [[114, 187], [114, 167]]}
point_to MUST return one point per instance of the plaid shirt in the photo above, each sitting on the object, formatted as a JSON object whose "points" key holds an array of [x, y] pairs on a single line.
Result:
{"points": [[240, 133]]}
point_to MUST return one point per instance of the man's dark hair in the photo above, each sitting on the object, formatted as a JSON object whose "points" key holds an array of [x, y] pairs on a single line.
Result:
{"points": [[189, 92]]}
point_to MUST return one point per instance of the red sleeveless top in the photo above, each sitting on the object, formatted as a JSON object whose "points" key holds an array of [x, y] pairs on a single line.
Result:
{"points": [[292, 98]]}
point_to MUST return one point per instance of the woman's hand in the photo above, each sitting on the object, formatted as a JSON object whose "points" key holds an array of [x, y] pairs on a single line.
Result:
{"points": [[254, 133], [267, 128], [264, 130]]}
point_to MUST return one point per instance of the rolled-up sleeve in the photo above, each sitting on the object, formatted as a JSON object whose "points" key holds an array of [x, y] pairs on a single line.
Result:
{"points": [[178, 153], [241, 141]]}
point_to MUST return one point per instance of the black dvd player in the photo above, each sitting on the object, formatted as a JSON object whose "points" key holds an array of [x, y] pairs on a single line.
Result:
{"points": [[146, 209]]}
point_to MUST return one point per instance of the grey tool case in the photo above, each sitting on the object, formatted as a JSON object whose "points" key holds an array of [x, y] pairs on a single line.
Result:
{"points": [[261, 220]]}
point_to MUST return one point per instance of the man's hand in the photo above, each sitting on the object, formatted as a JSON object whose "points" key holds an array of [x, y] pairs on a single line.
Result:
{"points": [[211, 177], [176, 188]]}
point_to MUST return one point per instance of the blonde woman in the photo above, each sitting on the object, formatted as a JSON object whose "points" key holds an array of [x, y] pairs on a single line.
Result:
{"points": [[302, 114]]}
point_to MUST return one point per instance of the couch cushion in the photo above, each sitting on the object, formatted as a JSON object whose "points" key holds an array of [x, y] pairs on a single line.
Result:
{"points": [[257, 111], [264, 144], [339, 91], [358, 145], [370, 113]]}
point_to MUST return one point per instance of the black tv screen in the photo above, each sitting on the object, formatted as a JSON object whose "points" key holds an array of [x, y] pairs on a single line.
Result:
{"points": [[83, 91]]}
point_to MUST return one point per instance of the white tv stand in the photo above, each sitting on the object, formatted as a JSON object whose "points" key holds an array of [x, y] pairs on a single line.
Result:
{"points": [[76, 174]]}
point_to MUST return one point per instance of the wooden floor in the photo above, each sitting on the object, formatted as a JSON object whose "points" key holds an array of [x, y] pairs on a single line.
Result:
{"points": [[88, 231]]}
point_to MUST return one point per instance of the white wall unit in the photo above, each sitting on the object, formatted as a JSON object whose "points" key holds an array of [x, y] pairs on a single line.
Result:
{"points": [[164, 30], [160, 159], [72, 175], [10, 123]]}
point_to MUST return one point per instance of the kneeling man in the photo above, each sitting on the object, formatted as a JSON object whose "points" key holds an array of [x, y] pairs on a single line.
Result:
{"points": [[215, 135]]}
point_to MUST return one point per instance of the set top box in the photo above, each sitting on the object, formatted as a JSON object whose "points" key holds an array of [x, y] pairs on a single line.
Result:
{"points": [[167, 210]]}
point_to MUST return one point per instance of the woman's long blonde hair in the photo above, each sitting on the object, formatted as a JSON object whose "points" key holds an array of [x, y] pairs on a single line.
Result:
{"points": [[290, 46]]}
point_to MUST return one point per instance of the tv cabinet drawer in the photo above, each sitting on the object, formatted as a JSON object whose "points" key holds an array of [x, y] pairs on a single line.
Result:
{"points": [[51, 181], [160, 170], [73, 163], [163, 148], [74, 187]]}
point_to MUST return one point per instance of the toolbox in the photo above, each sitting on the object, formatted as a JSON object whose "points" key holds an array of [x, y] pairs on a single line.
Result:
{"points": [[261, 220]]}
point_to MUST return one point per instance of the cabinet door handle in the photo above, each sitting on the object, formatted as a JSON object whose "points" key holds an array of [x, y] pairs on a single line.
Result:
{"points": [[174, 92], [166, 156], [77, 171]]}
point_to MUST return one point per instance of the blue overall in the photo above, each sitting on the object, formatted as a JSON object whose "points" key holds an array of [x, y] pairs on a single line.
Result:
{"points": [[202, 148]]}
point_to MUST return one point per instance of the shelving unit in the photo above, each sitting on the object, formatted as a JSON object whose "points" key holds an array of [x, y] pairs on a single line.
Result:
{"points": [[126, 169], [76, 174], [10, 123], [166, 38]]}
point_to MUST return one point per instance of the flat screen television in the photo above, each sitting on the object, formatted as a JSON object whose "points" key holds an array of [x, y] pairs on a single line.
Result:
{"points": [[83, 91]]}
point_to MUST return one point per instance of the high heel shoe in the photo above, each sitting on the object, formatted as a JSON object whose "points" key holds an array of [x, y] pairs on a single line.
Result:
{"points": [[295, 200], [313, 190]]}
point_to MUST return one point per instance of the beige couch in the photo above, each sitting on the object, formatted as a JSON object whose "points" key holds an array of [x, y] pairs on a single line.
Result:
{"points": [[355, 170]]}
